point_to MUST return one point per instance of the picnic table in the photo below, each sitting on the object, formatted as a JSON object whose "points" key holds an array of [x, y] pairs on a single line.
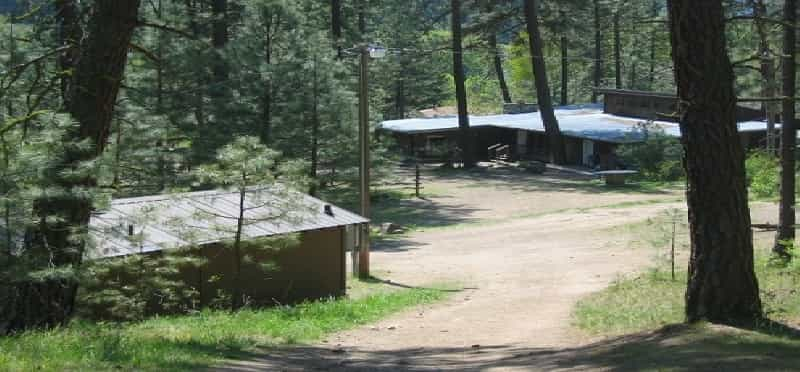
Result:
{"points": [[616, 177]]}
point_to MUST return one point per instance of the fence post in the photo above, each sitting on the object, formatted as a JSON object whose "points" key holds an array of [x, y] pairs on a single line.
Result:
{"points": [[672, 253], [417, 180]]}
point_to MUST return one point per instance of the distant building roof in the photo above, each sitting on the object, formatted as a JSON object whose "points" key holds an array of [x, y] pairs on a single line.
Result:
{"points": [[174, 221], [578, 121]]}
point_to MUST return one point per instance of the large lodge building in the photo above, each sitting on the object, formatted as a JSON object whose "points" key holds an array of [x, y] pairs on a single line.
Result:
{"points": [[591, 132]]}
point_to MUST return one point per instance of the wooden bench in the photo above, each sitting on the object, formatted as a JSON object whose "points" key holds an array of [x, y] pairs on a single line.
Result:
{"points": [[616, 177]]}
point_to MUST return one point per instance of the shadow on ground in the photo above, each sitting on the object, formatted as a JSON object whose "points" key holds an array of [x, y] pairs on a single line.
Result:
{"points": [[550, 181], [675, 348]]}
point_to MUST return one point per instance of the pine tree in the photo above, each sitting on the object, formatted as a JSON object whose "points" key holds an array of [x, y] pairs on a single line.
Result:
{"points": [[722, 284], [255, 173]]}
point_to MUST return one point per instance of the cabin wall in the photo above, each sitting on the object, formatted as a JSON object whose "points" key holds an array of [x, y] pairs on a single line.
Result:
{"points": [[313, 269]]}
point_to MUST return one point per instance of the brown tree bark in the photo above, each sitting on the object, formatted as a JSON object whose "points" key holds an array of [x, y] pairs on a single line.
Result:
{"points": [[553, 132], [60, 243], [722, 285], [786, 228], [464, 137]]}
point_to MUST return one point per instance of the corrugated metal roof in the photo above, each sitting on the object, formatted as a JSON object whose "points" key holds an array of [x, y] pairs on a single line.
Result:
{"points": [[174, 221], [579, 121]]}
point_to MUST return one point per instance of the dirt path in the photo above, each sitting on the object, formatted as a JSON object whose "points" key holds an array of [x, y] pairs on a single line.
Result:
{"points": [[520, 281]]}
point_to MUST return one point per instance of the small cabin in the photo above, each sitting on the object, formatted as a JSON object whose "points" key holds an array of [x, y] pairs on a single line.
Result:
{"points": [[203, 224]]}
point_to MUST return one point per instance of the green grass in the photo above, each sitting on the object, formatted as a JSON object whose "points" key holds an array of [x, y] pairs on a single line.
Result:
{"points": [[193, 342], [653, 299]]}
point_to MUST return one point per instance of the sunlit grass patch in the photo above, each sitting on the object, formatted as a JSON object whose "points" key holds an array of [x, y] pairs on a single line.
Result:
{"points": [[653, 299], [190, 342]]}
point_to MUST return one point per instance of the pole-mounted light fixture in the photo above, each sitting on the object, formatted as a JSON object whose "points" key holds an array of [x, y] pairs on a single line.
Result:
{"points": [[376, 51], [367, 52]]}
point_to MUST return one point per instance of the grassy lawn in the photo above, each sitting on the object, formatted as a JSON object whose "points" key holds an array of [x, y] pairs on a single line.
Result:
{"points": [[653, 299], [193, 342], [640, 314]]}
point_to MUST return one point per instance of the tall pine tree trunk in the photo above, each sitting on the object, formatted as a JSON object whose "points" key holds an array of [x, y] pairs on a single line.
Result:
{"points": [[653, 49], [219, 38], [564, 70], [266, 109], [498, 67], [336, 26], [767, 70], [465, 137], [786, 229], [554, 138], [598, 51], [400, 95], [69, 35], [722, 284], [617, 51], [60, 242], [314, 131]]}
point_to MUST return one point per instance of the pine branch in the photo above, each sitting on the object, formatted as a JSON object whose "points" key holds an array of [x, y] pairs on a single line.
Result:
{"points": [[143, 23]]}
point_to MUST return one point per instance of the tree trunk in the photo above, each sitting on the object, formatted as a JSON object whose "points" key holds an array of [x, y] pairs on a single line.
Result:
{"points": [[653, 39], [266, 110], [59, 244], [786, 229], [598, 51], [336, 26], [465, 137], [314, 132], [69, 35], [400, 96], [564, 70], [722, 285], [617, 52], [163, 143], [767, 70], [498, 67], [554, 138], [219, 38], [362, 20], [236, 295]]}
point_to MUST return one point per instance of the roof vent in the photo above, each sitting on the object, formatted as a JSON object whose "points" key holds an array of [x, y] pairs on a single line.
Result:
{"points": [[328, 210]]}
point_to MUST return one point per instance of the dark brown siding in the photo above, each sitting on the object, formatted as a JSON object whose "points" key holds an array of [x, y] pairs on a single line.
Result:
{"points": [[312, 270]]}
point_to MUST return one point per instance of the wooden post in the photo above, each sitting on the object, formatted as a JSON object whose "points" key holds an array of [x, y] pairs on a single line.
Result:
{"points": [[363, 116], [672, 253]]}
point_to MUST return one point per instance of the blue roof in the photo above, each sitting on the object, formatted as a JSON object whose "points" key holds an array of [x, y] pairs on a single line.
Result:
{"points": [[579, 121]]}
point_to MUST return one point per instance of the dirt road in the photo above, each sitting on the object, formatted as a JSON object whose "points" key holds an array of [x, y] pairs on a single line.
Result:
{"points": [[522, 250], [519, 281]]}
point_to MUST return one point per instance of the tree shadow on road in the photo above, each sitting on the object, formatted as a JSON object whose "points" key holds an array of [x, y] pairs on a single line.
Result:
{"points": [[550, 181], [678, 348]]}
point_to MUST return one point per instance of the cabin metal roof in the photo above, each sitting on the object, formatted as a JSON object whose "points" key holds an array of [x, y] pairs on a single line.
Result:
{"points": [[200, 218], [578, 121]]}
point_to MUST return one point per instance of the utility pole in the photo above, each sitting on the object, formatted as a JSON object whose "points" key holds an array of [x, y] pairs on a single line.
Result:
{"points": [[363, 136]]}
